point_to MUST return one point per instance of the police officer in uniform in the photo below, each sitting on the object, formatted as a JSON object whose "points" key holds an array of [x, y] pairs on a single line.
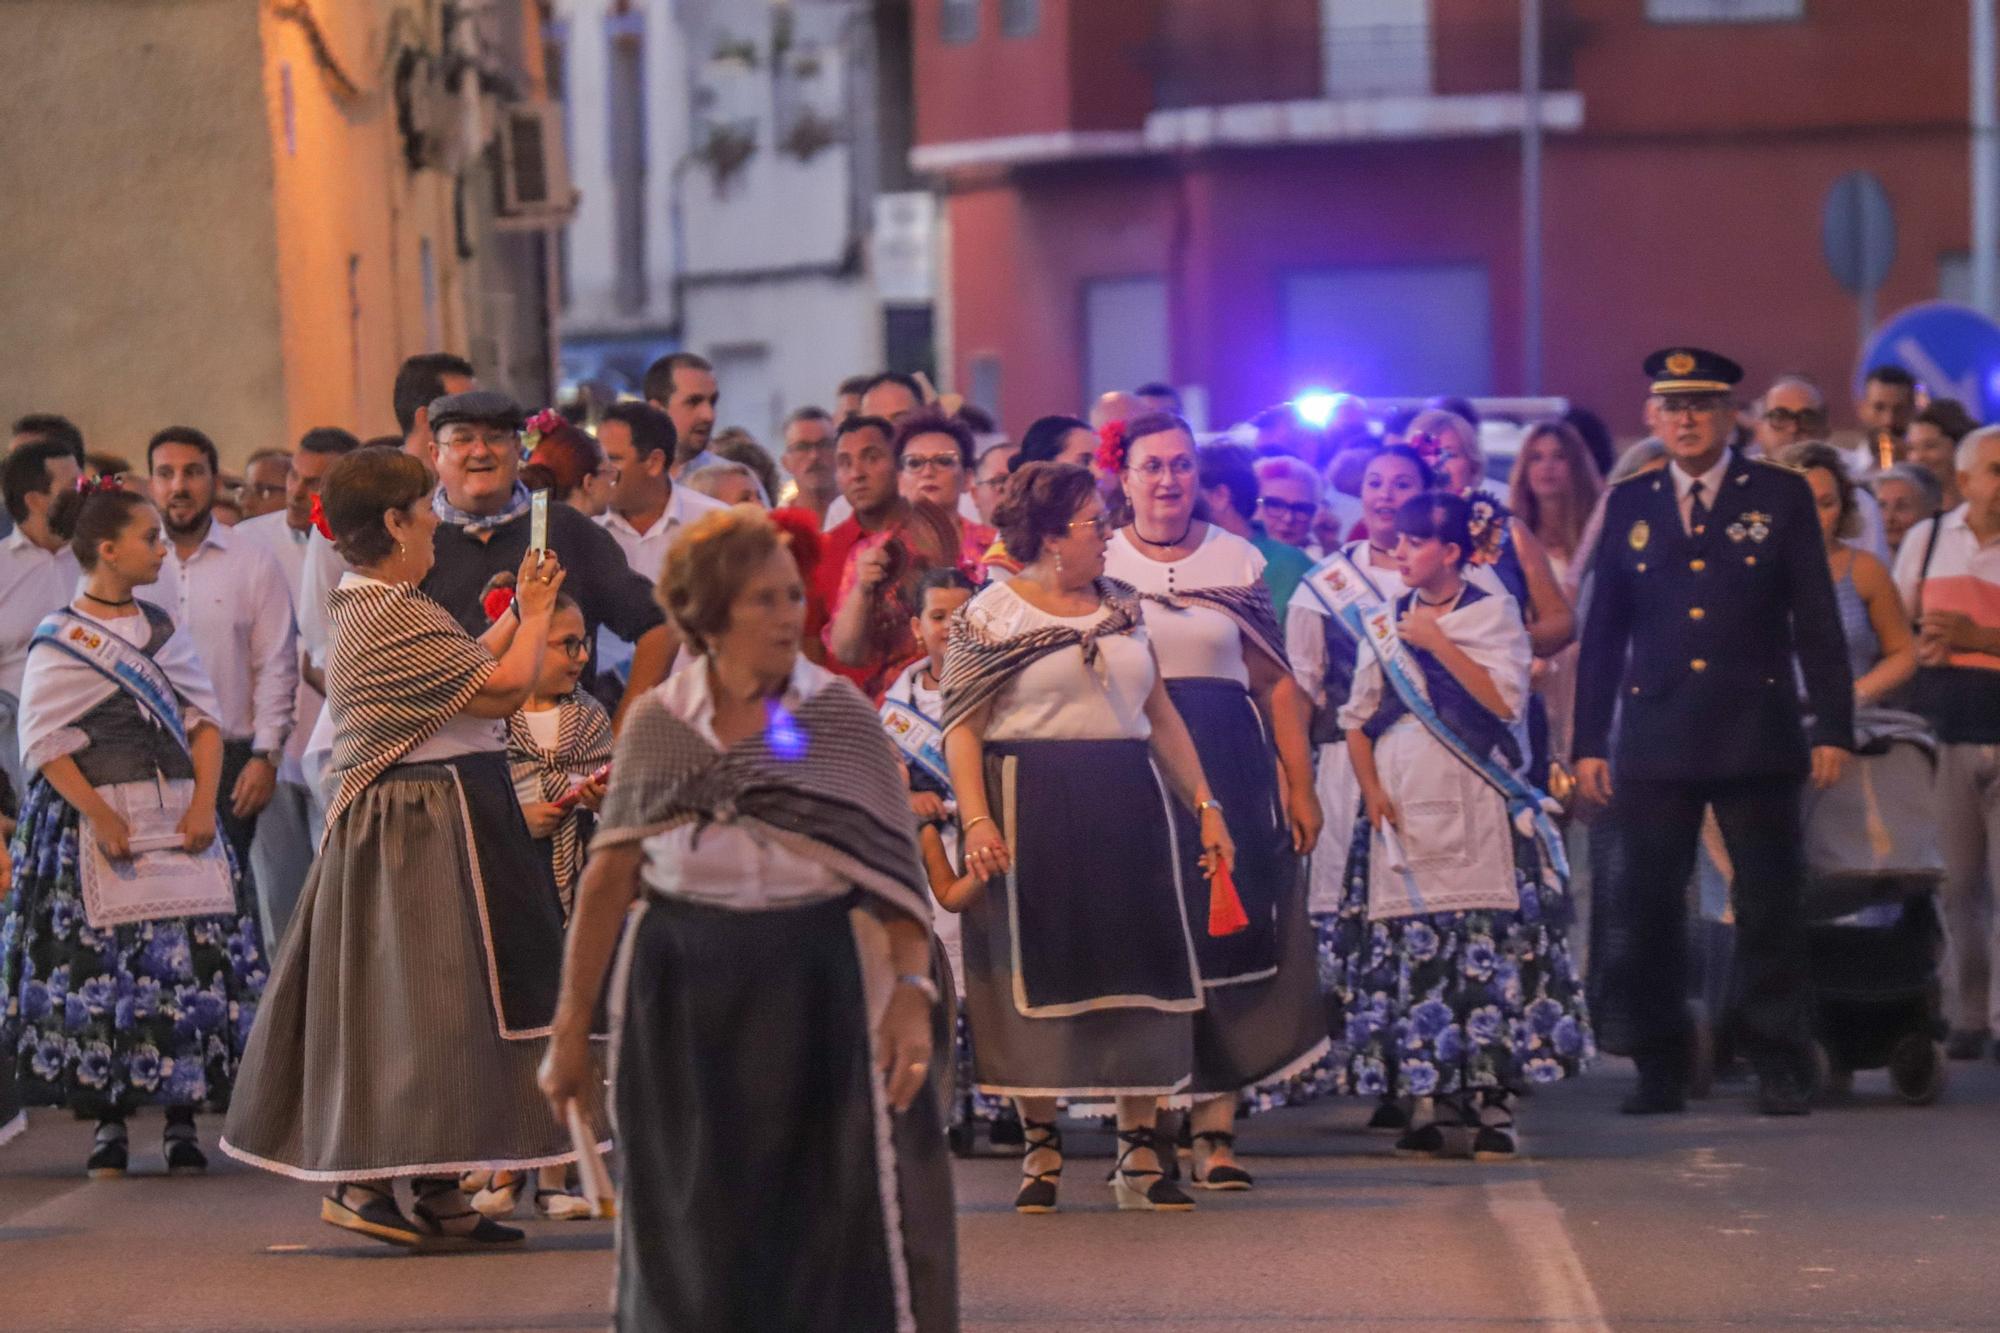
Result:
{"points": [[1711, 581]]}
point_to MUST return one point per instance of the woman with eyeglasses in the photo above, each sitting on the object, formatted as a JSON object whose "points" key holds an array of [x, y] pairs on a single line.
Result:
{"points": [[1288, 499], [1081, 978], [1219, 648], [934, 463]]}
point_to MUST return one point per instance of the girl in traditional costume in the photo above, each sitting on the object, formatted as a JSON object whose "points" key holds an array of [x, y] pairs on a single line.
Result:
{"points": [[406, 1012], [773, 1054], [1216, 638], [130, 957], [1080, 972], [1453, 929], [558, 743]]}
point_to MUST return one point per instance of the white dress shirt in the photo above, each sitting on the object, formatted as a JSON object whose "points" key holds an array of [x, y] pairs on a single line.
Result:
{"points": [[646, 552], [288, 547], [233, 600], [1711, 487], [33, 582]]}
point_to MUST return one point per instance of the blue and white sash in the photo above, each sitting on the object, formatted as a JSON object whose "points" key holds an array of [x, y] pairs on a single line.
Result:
{"points": [[118, 661], [920, 739], [1352, 599]]}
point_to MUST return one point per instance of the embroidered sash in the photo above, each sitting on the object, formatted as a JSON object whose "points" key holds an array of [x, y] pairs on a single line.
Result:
{"points": [[1349, 595], [919, 738], [118, 661]]}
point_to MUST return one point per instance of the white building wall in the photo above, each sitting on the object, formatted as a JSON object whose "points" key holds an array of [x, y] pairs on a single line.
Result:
{"points": [[781, 344]]}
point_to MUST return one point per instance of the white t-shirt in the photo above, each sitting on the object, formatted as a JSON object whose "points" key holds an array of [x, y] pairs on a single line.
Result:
{"points": [[1058, 696], [1197, 641]]}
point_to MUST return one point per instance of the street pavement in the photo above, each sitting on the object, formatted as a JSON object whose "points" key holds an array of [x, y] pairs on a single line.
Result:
{"points": [[1868, 1215]]}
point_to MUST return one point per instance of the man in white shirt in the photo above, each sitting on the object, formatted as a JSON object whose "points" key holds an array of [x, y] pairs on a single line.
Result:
{"points": [[648, 511], [282, 854], [38, 572], [232, 598]]}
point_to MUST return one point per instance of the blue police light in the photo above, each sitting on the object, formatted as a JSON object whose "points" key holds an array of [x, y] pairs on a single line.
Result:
{"points": [[1315, 407]]}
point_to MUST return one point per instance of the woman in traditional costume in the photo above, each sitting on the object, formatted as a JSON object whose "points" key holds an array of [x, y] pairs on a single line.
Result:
{"points": [[406, 1012], [1453, 930], [130, 957], [784, 1155], [1216, 638], [1080, 972]]}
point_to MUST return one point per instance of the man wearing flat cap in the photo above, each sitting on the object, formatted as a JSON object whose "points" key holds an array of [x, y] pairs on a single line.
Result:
{"points": [[1711, 581], [484, 528]]}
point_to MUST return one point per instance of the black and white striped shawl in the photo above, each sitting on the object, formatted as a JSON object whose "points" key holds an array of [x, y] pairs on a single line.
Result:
{"points": [[822, 781], [978, 666], [1250, 607], [583, 743], [400, 667]]}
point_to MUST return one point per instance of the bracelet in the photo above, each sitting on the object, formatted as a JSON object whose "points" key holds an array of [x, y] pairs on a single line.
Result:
{"points": [[917, 981], [974, 823], [1203, 807]]}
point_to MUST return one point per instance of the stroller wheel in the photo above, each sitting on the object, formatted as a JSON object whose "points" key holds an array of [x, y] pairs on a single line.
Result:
{"points": [[1701, 1051], [1918, 1068]]}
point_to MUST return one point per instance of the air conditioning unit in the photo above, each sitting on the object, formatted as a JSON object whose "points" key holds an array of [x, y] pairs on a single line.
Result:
{"points": [[534, 167]]}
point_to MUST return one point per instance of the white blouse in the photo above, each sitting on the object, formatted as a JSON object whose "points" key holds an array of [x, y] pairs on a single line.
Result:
{"points": [[1198, 641], [1058, 696], [736, 865]]}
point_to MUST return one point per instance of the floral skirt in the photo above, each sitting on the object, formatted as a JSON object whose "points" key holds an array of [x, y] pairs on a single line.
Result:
{"points": [[153, 1013], [1446, 1002]]}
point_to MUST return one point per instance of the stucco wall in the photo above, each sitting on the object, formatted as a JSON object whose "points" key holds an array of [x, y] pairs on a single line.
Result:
{"points": [[137, 251]]}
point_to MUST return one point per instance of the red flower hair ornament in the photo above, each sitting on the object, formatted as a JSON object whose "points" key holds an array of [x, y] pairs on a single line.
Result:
{"points": [[104, 484], [319, 519], [1111, 447]]}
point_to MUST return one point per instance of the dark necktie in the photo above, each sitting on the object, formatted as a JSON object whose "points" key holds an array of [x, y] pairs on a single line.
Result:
{"points": [[1697, 511]]}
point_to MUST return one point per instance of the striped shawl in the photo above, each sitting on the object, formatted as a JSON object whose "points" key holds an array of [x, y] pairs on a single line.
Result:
{"points": [[823, 782], [400, 668], [1250, 607], [583, 743], [977, 666]]}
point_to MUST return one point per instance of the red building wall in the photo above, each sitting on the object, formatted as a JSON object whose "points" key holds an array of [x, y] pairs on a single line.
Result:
{"points": [[1687, 209]]}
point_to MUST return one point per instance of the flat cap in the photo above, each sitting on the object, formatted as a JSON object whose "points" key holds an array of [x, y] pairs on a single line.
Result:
{"points": [[485, 407]]}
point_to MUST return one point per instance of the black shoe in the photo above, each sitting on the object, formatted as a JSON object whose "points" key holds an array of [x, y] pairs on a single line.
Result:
{"points": [[1496, 1140], [109, 1157], [1233, 1178], [1038, 1188], [183, 1150], [1390, 1113], [1782, 1095], [1651, 1098], [1421, 1141], [1965, 1045], [370, 1213], [1140, 1189], [456, 1231]]}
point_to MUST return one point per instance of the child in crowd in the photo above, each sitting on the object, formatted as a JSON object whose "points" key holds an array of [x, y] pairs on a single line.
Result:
{"points": [[558, 745], [1458, 979]]}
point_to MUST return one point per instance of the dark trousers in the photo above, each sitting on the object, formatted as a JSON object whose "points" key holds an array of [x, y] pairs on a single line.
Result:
{"points": [[1660, 825], [236, 756]]}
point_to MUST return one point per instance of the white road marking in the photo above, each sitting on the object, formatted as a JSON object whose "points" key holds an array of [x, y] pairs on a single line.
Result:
{"points": [[1533, 1226]]}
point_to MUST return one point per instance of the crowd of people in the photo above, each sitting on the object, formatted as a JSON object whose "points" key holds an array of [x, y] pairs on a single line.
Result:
{"points": [[910, 780]]}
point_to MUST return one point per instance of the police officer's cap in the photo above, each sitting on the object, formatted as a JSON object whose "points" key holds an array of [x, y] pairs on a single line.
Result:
{"points": [[1691, 370], [482, 407]]}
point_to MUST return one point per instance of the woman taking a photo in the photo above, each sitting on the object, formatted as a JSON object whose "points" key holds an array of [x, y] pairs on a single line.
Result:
{"points": [[1216, 639], [407, 1010], [1080, 973], [784, 1150], [113, 995]]}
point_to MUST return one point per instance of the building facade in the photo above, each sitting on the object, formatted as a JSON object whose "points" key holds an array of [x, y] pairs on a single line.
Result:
{"points": [[1251, 197], [731, 156], [242, 217]]}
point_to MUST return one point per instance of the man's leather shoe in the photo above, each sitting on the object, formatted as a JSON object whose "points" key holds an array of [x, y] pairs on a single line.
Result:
{"points": [[1654, 1099], [1781, 1095]]}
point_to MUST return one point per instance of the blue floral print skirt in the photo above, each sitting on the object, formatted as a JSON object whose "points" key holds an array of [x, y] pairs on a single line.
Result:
{"points": [[104, 1021], [1447, 1002]]}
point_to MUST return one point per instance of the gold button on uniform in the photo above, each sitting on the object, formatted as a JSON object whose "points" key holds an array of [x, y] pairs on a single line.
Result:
{"points": [[1697, 565], [1699, 664], [1696, 613]]}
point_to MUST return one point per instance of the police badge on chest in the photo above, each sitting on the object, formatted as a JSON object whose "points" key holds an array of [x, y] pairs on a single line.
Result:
{"points": [[1754, 526]]}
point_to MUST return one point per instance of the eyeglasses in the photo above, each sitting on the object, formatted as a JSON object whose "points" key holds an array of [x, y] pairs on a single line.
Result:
{"points": [[1101, 523], [1299, 509], [1153, 469], [1800, 419], [931, 462], [575, 649], [1689, 406], [493, 437]]}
